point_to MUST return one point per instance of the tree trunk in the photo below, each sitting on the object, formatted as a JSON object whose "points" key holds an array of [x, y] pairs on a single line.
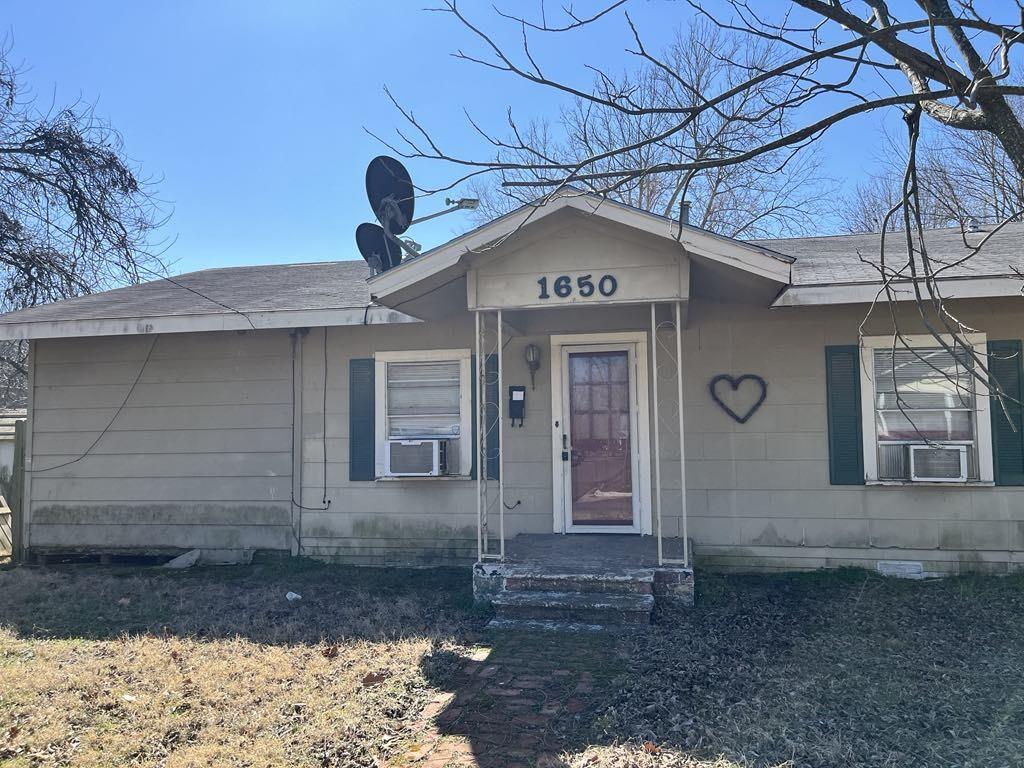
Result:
{"points": [[1005, 126]]}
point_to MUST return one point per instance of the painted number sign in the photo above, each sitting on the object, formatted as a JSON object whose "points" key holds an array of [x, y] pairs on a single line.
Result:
{"points": [[565, 286]]}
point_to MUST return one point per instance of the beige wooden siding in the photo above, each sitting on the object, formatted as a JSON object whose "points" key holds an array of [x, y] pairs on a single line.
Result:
{"points": [[758, 494], [199, 457], [376, 522]]}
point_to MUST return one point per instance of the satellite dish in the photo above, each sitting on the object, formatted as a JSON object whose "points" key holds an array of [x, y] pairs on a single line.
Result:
{"points": [[380, 253], [389, 189]]}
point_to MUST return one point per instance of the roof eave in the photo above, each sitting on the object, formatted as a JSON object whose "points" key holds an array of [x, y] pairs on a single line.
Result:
{"points": [[220, 321], [864, 293]]}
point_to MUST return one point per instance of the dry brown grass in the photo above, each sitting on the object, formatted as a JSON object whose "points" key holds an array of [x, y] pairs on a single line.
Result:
{"points": [[217, 668], [213, 667], [839, 668]]}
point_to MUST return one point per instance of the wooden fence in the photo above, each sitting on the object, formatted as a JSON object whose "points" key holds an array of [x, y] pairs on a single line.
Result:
{"points": [[11, 511]]}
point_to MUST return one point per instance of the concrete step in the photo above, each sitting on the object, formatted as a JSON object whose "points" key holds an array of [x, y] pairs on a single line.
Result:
{"points": [[599, 608], [544, 625], [581, 582]]}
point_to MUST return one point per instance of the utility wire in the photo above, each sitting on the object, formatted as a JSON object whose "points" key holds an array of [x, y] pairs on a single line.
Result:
{"points": [[112, 418], [142, 369]]}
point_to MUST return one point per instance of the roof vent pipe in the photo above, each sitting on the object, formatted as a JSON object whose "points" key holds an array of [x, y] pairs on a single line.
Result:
{"points": [[684, 211], [973, 225]]}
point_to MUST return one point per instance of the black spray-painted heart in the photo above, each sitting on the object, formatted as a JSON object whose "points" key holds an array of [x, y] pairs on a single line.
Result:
{"points": [[735, 382]]}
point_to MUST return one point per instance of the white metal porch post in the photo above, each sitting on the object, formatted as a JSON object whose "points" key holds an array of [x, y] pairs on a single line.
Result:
{"points": [[682, 433], [486, 435], [479, 436], [501, 443], [656, 460]]}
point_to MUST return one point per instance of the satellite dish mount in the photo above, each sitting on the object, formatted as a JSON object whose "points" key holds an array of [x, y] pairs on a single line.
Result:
{"points": [[392, 198]]}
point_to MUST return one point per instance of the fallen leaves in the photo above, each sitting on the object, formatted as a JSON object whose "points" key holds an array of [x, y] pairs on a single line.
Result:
{"points": [[374, 678]]}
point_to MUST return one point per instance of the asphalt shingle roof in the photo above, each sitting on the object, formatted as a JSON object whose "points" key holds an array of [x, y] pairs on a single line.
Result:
{"points": [[836, 259], [342, 284], [268, 288]]}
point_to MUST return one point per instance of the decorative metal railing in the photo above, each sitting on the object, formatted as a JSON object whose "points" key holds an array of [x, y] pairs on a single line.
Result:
{"points": [[489, 433], [666, 366]]}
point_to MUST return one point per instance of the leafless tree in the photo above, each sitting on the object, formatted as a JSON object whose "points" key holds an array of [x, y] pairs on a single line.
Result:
{"points": [[74, 215], [761, 198], [965, 177], [949, 61]]}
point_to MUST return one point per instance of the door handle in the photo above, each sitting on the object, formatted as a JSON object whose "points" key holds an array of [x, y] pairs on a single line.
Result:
{"points": [[565, 448]]}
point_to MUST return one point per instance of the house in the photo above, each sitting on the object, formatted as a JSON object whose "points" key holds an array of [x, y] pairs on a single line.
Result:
{"points": [[513, 397]]}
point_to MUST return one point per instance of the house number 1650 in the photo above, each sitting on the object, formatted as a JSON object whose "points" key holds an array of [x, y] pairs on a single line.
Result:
{"points": [[563, 288]]}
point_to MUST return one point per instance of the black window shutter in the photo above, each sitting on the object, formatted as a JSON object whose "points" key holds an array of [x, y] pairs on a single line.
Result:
{"points": [[362, 449], [1004, 365], [842, 392]]}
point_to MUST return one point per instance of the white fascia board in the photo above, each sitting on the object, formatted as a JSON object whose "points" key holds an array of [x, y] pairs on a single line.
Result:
{"points": [[759, 261], [221, 321], [723, 250], [448, 255], [865, 293]]}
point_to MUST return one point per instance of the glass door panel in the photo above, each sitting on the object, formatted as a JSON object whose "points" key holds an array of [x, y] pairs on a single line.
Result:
{"points": [[601, 457]]}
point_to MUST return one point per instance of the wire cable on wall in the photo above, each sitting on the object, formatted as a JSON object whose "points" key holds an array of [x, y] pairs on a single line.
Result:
{"points": [[113, 418], [142, 369], [326, 501]]}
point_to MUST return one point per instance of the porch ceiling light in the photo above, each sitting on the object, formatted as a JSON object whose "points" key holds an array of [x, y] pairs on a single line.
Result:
{"points": [[533, 362]]}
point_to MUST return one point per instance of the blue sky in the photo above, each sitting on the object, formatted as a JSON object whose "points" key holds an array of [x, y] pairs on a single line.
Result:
{"points": [[249, 115]]}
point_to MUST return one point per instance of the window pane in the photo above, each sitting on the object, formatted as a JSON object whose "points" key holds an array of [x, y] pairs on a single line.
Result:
{"points": [[927, 375], [922, 395], [922, 426], [893, 462], [423, 399]]}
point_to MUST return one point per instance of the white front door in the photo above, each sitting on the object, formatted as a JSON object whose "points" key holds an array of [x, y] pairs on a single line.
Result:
{"points": [[601, 477]]}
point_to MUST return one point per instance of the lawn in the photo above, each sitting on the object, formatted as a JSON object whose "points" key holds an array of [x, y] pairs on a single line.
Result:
{"points": [[214, 667]]}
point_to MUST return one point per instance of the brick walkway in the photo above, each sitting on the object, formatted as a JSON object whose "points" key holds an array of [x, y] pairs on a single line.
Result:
{"points": [[519, 701]]}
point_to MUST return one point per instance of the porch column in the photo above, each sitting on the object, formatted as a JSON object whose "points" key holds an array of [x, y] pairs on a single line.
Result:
{"points": [[479, 411], [489, 415], [682, 433], [676, 323], [657, 432], [501, 442]]}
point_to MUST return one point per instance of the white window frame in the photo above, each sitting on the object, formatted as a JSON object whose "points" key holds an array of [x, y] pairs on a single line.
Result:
{"points": [[463, 357], [982, 426]]}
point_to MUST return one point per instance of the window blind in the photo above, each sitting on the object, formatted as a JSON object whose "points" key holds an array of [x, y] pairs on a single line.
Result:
{"points": [[423, 400]]}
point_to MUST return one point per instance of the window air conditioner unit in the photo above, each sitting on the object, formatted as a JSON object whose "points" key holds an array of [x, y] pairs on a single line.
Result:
{"points": [[938, 463], [418, 458]]}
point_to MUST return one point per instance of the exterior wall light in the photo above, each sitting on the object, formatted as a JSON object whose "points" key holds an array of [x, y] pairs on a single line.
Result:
{"points": [[533, 362]]}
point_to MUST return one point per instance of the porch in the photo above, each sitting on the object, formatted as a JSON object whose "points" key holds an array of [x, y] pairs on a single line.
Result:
{"points": [[583, 581]]}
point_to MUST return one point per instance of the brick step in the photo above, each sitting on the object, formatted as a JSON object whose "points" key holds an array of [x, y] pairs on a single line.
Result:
{"points": [[597, 608]]}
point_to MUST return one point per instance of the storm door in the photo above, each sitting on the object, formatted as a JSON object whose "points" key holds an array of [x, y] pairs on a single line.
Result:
{"points": [[600, 451]]}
